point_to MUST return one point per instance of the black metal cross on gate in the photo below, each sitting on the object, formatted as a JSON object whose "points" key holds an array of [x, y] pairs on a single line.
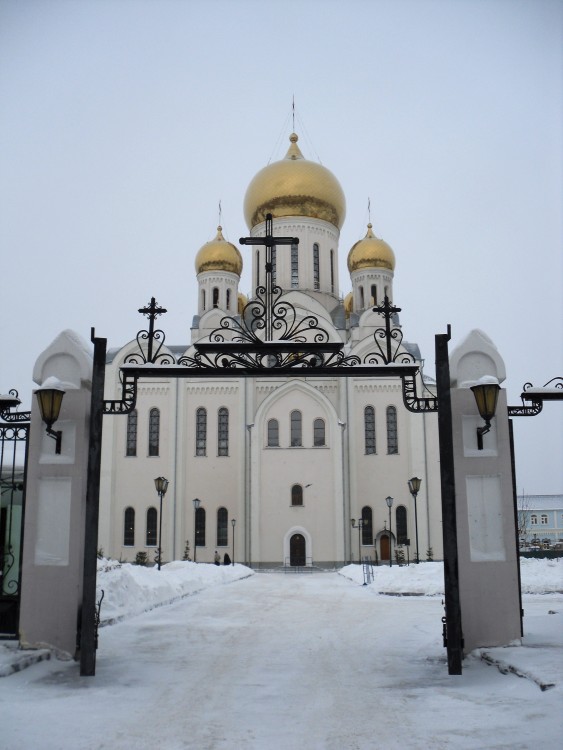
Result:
{"points": [[270, 242]]}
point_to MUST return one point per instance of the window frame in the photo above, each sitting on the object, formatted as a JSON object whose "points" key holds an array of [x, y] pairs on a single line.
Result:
{"points": [[131, 434], [201, 431], [391, 420], [154, 432], [149, 530], [296, 496], [296, 429], [129, 526], [370, 443], [222, 530], [223, 431], [319, 433], [273, 433]]}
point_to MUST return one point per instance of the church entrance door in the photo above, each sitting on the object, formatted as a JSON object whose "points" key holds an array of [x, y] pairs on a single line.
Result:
{"points": [[384, 547], [297, 550]]}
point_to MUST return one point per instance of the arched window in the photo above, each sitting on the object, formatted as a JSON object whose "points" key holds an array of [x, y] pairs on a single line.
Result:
{"points": [[203, 300], [392, 437], [367, 527], [297, 494], [544, 519], [534, 519], [222, 527], [361, 293], [154, 432], [401, 524], [152, 518], [131, 448], [223, 432], [294, 266], [295, 421], [332, 271], [228, 299], [319, 432], [201, 432], [316, 267], [215, 297], [200, 527], [129, 527], [369, 429], [273, 433], [373, 294]]}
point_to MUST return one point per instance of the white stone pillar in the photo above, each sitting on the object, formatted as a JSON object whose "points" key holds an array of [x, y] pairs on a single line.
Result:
{"points": [[487, 552], [55, 503]]}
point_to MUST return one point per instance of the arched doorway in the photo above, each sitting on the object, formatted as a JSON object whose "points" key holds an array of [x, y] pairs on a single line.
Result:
{"points": [[384, 547], [297, 550]]}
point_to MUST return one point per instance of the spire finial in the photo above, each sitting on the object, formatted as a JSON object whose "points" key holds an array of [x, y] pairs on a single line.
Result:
{"points": [[369, 210], [293, 112], [220, 211]]}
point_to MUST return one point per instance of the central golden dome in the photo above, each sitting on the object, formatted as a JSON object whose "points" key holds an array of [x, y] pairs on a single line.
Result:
{"points": [[294, 186], [371, 252], [218, 255]]}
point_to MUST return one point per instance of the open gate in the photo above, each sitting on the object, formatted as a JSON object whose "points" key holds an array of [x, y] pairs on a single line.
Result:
{"points": [[14, 439]]}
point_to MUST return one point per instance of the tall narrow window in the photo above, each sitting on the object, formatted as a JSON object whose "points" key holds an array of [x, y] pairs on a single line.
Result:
{"points": [[200, 527], [369, 429], [203, 300], [401, 524], [367, 525], [222, 527], [295, 420], [154, 432], [273, 433], [201, 432], [297, 494], [373, 294], [332, 271], [316, 267], [131, 448], [129, 527], [319, 432], [294, 266], [392, 441], [361, 293], [223, 432], [228, 299], [152, 518], [215, 297]]}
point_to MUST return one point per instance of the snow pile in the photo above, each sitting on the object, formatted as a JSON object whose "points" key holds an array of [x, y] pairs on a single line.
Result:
{"points": [[133, 589], [427, 579]]}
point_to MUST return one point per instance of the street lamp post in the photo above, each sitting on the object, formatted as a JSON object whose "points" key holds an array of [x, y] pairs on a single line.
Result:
{"points": [[161, 484], [233, 524], [359, 525], [196, 503], [414, 487], [389, 501]]}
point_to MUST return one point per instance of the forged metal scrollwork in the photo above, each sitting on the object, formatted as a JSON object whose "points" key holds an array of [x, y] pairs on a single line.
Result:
{"points": [[128, 399], [551, 391], [6, 406], [412, 401], [153, 338]]}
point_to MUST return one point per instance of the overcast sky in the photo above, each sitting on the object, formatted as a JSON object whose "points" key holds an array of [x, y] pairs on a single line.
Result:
{"points": [[123, 123]]}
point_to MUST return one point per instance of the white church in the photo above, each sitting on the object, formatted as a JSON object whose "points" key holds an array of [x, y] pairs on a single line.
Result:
{"points": [[283, 469]]}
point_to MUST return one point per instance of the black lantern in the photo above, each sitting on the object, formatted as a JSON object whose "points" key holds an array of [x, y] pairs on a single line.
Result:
{"points": [[414, 487], [161, 484], [486, 397], [50, 400]]}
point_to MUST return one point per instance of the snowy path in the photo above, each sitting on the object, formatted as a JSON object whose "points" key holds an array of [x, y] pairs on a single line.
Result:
{"points": [[276, 662]]}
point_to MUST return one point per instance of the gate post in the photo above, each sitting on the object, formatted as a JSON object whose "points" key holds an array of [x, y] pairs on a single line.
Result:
{"points": [[52, 567], [486, 535]]}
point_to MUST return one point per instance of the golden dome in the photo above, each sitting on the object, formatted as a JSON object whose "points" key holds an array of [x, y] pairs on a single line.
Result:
{"points": [[371, 252], [242, 302], [348, 304], [294, 186], [218, 255]]}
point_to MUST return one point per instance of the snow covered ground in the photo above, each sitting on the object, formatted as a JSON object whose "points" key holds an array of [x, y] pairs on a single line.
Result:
{"points": [[220, 658]]}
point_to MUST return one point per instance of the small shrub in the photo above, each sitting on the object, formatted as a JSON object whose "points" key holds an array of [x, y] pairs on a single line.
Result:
{"points": [[429, 555], [186, 556], [141, 558]]}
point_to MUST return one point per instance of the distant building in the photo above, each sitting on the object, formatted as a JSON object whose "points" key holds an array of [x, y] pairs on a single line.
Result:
{"points": [[285, 464], [540, 520]]}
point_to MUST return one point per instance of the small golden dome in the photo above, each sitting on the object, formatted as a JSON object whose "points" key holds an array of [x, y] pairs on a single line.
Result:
{"points": [[294, 186], [348, 304], [371, 252], [218, 255], [242, 302]]}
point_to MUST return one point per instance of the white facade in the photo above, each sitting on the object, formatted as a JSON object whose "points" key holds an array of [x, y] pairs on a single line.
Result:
{"points": [[292, 460]]}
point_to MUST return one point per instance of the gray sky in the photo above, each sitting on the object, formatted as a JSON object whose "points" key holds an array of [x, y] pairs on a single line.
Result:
{"points": [[124, 122]]}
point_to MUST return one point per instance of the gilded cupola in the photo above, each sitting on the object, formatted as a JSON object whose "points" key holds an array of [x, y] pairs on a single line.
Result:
{"points": [[371, 252], [294, 186], [218, 255]]}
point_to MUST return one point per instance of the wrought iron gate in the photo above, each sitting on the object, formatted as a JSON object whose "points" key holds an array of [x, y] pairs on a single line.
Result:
{"points": [[14, 438]]}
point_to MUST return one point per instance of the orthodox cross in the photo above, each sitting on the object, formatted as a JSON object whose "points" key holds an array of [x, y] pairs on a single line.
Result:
{"points": [[151, 311], [388, 310], [270, 242]]}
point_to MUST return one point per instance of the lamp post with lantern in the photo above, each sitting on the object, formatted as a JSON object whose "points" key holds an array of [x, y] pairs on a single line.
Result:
{"points": [[389, 501], [414, 487]]}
